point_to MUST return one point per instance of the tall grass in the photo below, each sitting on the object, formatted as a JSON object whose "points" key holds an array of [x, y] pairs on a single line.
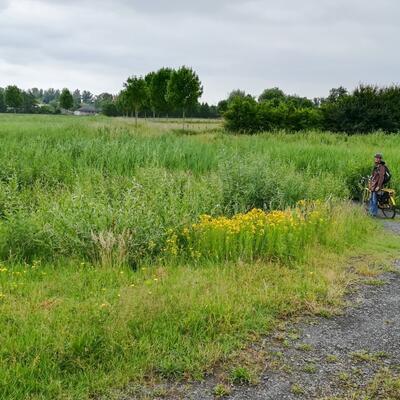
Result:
{"points": [[65, 182], [74, 331], [79, 197]]}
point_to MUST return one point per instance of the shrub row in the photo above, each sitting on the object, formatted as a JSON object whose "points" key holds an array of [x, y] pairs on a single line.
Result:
{"points": [[366, 109]]}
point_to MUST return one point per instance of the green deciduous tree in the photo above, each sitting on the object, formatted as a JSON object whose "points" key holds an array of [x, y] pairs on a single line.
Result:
{"points": [[275, 95], [3, 107], [236, 93], [77, 98], [336, 94], [222, 106], [242, 115], [151, 100], [367, 109], [50, 95], [137, 94], [103, 98], [87, 97], [13, 97], [245, 115], [66, 99], [109, 109], [158, 84], [37, 93], [122, 103], [184, 90], [29, 102]]}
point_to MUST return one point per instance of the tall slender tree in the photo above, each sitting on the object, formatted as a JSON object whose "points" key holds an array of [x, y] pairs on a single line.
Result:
{"points": [[137, 94], [158, 90], [184, 90], [77, 98], [150, 91], [29, 102], [122, 103], [66, 99], [49, 95]]}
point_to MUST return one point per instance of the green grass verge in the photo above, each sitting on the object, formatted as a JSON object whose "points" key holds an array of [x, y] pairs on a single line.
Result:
{"points": [[75, 331]]}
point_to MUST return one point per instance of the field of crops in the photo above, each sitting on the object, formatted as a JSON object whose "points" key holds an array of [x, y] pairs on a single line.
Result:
{"points": [[154, 252]]}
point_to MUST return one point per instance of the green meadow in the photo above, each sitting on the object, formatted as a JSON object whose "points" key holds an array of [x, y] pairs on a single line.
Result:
{"points": [[110, 273]]}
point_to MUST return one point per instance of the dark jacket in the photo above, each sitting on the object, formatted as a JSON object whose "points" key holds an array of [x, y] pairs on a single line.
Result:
{"points": [[377, 177]]}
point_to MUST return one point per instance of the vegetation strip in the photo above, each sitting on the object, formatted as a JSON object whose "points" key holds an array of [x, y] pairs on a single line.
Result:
{"points": [[109, 275], [119, 326]]}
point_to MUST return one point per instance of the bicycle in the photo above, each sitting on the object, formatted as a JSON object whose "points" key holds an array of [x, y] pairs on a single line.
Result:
{"points": [[386, 201]]}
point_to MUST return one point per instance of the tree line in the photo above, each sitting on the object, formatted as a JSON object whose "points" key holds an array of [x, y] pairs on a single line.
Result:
{"points": [[163, 93], [175, 93], [47, 101], [368, 108]]}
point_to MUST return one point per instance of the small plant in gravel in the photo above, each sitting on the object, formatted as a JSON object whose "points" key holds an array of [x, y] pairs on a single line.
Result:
{"points": [[385, 385], [310, 368], [304, 347], [344, 376], [221, 390], [356, 371], [160, 392], [365, 356], [293, 335], [241, 376], [286, 343], [375, 282], [286, 368], [331, 358], [325, 313], [297, 389]]}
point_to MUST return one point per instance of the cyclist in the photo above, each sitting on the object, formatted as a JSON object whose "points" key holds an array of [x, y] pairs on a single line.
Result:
{"points": [[376, 183]]}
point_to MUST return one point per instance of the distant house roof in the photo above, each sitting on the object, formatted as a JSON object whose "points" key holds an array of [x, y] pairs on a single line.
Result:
{"points": [[87, 109]]}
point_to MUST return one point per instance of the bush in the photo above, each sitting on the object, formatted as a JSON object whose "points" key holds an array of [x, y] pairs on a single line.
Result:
{"points": [[242, 115], [367, 109], [109, 109], [245, 115]]}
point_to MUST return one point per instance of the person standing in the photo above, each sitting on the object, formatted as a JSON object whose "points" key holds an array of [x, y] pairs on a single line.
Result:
{"points": [[376, 183]]}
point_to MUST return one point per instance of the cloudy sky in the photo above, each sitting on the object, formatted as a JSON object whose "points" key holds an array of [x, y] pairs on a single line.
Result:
{"points": [[303, 46]]}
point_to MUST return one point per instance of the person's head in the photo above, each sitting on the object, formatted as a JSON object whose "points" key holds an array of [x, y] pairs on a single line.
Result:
{"points": [[378, 158]]}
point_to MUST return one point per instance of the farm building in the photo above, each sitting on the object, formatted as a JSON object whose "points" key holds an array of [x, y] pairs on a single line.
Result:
{"points": [[86, 110]]}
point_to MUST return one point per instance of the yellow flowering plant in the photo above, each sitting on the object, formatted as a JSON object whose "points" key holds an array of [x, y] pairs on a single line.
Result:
{"points": [[257, 234]]}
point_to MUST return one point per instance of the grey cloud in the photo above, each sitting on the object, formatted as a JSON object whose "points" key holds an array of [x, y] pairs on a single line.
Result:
{"points": [[4, 4], [158, 6], [304, 47]]}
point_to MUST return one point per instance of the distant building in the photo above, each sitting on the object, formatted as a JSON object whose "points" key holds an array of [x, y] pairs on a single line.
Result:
{"points": [[86, 110]]}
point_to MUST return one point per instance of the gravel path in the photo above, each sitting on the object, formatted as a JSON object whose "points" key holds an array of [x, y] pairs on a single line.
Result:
{"points": [[324, 358]]}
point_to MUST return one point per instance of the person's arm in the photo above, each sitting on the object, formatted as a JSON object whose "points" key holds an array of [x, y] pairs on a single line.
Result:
{"points": [[381, 177]]}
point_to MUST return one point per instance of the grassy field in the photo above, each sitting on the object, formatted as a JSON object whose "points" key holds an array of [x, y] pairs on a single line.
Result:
{"points": [[111, 273]]}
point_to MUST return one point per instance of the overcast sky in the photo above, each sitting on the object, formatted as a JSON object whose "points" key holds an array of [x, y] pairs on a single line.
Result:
{"points": [[303, 46]]}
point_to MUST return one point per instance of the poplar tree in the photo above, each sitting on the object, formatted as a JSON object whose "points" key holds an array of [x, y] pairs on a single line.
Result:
{"points": [[137, 94], [184, 90]]}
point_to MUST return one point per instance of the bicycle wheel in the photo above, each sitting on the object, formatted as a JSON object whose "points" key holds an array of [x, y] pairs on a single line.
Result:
{"points": [[389, 212]]}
